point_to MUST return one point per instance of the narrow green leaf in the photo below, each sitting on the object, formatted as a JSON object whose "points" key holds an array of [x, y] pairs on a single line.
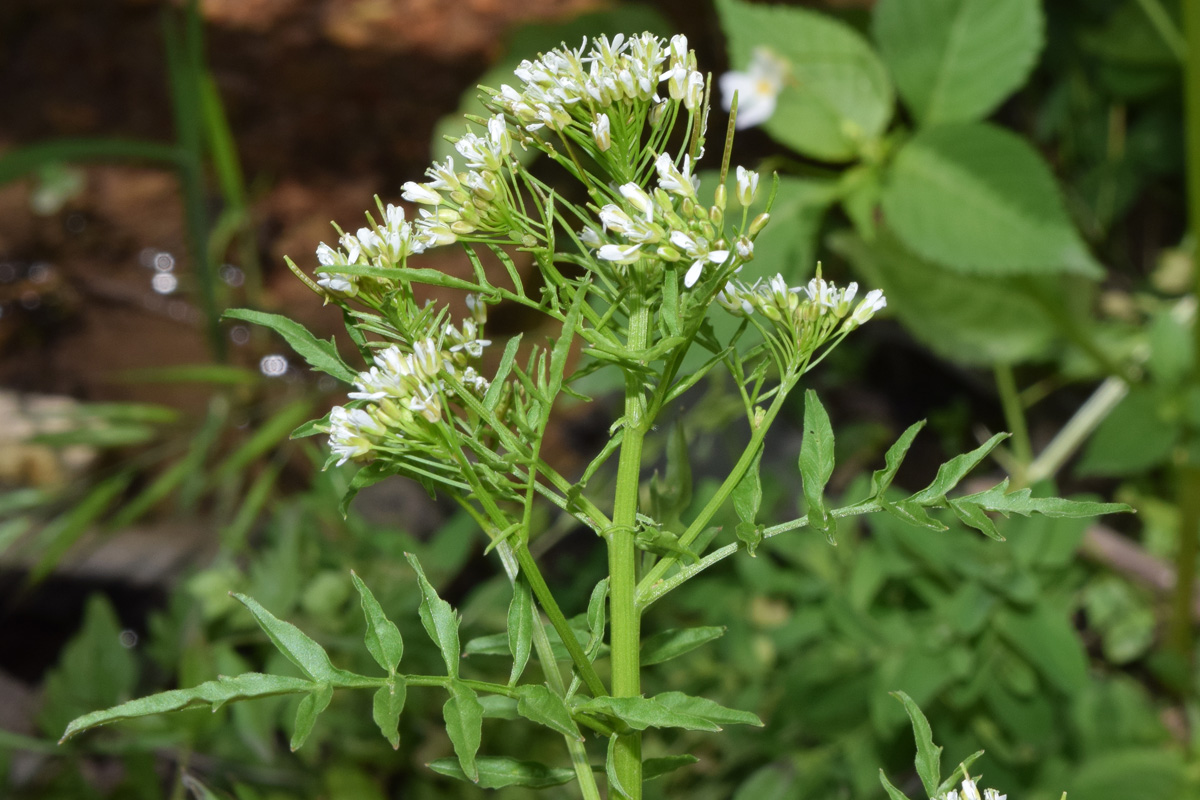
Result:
{"points": [[66, 529], [960, 773], [882, 478], [913, 514], [521, 620], [640, 713], [655, 540], [562, 347], [747, 497], [302, 651], [506, 362], [310, 708], [313, 427], [439, 619], [224, 374], [596, 616], [702, 707], [998, 498], [387, 707], [653, 768], [971, 515], [368, 475], [21, 161], [953, 471], [382, 638], [675, 642], [464, 725], [497, 772], [215, 693], [892, 792], [816, 461], [615, 787], [319, 354], [929, 755], [539, 704], [267, 436]]}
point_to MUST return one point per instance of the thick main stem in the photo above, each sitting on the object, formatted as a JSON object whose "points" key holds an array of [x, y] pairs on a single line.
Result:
{"points": [[625, 633]]}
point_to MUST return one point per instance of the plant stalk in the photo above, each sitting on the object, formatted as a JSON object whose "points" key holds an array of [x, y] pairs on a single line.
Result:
{"points": [[625, 631]]}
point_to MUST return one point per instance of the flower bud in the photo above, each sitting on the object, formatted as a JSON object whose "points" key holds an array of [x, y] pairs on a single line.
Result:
{"points": [[601, 133], [747, 186], [758, 223], [720, 197], [668, 253]]}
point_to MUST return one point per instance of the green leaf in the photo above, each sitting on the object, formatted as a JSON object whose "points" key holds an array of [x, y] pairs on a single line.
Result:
{"points": [[497, 772], [615, 787], [1047, 639], [816, 461], [882, 479], [226, 374], [309, 709], [319, 354], [973, 516], [596, 616], [537, 703], [929, 755], [913, 514], [520, 627], [387, 707], [956, 60], [506, 363], [640, 713], [653, 768], [1021, 501], [978, 199], [655, 540], [707, 709], [1134, 773], [215, 693], [747, 498], [368, 475], [954, 470], [892, 792], [439, 619], [1133, 438], [302, 651], [382, 638], [971, 319], [464, 724], [838, 97], [674, 642]]}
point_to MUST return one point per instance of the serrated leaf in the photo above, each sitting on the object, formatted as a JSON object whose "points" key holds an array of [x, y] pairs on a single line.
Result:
{"points": [[386, 708], [816, 461], [971, 319], [464, 725], [521, 619], [640, 713], [708, 709], [674, 642], [882, 479], [302, 651], [978, 199], [497, 772], [929, 755], [954, 470], [382, 638], [838, 95], [956, 60], [319, 354], [537, 703], [309, 709], [439, 619], [215, 693], [1021, 501], [653, 768]]}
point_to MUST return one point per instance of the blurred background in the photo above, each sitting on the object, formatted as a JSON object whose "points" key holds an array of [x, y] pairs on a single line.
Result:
{"points": [[159, 160]]}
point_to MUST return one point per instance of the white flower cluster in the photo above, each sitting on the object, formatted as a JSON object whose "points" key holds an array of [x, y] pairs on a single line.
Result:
{"points": [[971, 792], [566, 86], [464, 202], [757, 88], [672, 224], [808, 315], [407, 390], [385, 244]]}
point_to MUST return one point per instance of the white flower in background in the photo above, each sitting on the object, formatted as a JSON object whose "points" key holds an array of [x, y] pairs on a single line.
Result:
{"points": [[971, 792], [757, 88]]}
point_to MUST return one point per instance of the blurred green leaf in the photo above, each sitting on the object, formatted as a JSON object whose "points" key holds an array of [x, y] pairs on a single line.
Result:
{"points": [[674, 642], [1047, 639], [497, 772], [1133, 438]]}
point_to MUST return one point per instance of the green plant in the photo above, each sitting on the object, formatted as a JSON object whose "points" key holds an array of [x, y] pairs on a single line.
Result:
{"points": [[635, 266]]}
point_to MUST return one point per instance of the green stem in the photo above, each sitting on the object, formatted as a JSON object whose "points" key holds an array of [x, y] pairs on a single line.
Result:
{"points": [[625, 633], [1181, 635], [1165, 27], [1014, 415]]}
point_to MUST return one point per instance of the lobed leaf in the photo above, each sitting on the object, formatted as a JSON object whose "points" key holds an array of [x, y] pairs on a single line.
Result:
{"points": [[319, 354], [382, 638], [439, 619], [215, 693], [1021, 501], [302, 651], [674, 642], [953, 471], [882, 479], [497, 772], [464, 725], [386, 708]]}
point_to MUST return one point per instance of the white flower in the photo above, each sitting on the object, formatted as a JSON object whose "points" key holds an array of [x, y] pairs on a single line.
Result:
{"points": [[874, 301], [591, 237], [619, 254], [971, 792], [673, 179], [757, 88], [601, 133], [747, 186], [693, 273], [420, 193], [695, 91], [638, 198], [744, 248], [351, 432]]}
